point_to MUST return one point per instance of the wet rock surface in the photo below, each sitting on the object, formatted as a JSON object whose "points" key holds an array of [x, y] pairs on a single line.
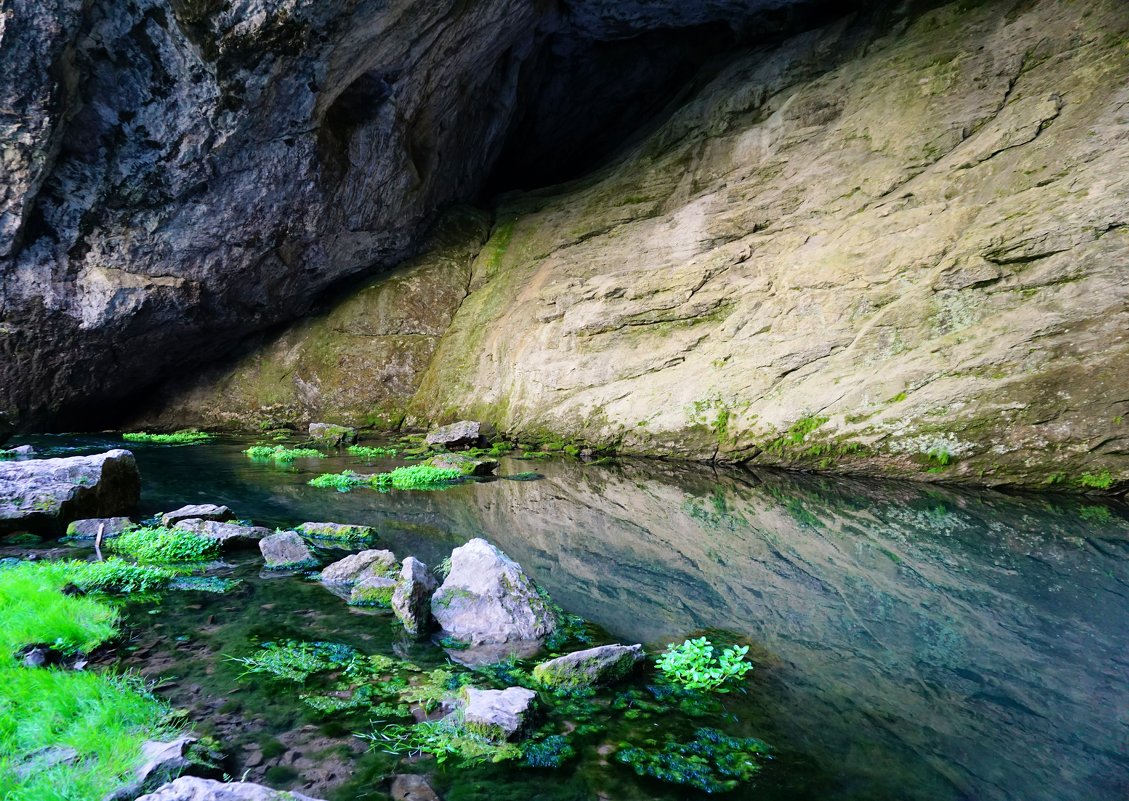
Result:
{"points": [[467, 465], [191, 788], [498, 714], [462, 434], [46, 494], [228, 535], [332, 435], [286, 550], [604, 664], [411, 600], [487, 599], [199, 511], [359, 566], [109, 526]]}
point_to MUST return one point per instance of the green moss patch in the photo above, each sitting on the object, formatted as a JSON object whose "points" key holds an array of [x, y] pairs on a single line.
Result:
{"points": [[185, 437]]}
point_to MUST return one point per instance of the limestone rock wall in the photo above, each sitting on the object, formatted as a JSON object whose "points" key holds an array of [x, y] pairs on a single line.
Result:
{"points": [[896, 251]]}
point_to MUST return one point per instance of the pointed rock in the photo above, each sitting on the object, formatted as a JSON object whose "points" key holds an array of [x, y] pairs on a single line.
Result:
{"points": [[411, 600]]}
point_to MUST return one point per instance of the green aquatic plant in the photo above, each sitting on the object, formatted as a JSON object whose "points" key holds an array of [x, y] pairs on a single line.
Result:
{"points": [[280, 453], [297, 661], [342, 482], [185, 437], [526, 475], [443, 739], [712, 762], [551, 752], [115, 575], [160, 544], [416, 476], [1101, 481], [695, 666], [204, 584], [370, 452]]}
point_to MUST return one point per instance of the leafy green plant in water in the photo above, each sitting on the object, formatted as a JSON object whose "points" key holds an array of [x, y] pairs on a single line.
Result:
{"points": [[185, 437], [342, 482], [551, 752], [370, 452], [524, 476], [712, 762], [280, 453], [204, 584], [1101, 481], [694, 665], [297, 661], [115, 575], [443, 739], [160, 544], [417, 476]]}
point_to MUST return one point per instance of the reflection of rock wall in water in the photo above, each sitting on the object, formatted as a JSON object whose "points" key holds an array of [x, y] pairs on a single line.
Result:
{"points": [[980, 634]]}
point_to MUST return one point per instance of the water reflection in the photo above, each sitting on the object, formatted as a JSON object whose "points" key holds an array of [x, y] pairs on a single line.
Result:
{"points": [[913, 642]]}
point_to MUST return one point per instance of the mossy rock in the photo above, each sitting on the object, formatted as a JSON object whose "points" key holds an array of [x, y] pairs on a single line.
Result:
{"points": [[605, 664]]}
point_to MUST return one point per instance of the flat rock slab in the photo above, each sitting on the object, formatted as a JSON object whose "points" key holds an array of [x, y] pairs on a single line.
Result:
{"points": [[590, 668], [191, 788], [46, 494], [88, 529], [467, 465], [488, 599], [228, 535], [338, 532], [462, 434], [498, 714], [286, 551], [360, 566], [199, 511]]}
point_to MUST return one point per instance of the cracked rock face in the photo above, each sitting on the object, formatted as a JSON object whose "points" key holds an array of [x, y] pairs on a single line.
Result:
{"points": [[179, 174]]}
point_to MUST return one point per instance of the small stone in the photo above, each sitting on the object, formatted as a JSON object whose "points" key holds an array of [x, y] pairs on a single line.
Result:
{"points": [[88, 529], [467, 465], [462, 434], [373, 591], [411, 600], [201, 511], [337, 532], [21, 452], [286, 550], [360, 566], [410, 787], [228, 535], [332, 435], [590, 668], [498, 714]]}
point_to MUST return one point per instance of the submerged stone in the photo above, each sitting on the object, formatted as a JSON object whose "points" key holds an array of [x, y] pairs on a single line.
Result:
{"points": [[360, 566], [467, 465], [87, 529], [228, 535], [332, 435], [498, 714], [191, 788], [462, 434], [488, 599], [45, 494], [286, 550], [411, 600], [589, 668], [412, 787], [200, 511]]}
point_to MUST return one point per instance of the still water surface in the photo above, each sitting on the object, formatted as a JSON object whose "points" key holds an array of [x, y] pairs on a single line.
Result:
{"points": [[912, 643]]}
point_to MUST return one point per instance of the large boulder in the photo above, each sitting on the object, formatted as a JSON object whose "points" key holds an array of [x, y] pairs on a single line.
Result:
{"points": [[373, 590], [336, 532], [191, 788], [198, 511], [487, 599], [462, 434], [88, 529], [360, 566], [46, 494], [285, 550], [228, 535], [411, 600], [498, 714], [595, 666], [331, 435]]}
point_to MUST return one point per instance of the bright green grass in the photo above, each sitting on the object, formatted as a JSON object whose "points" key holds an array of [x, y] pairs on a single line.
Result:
{"points": [[278, 453], [176, 438], [368, 452], [114, 575], [342, 482], [159, 544], [104, 718]]}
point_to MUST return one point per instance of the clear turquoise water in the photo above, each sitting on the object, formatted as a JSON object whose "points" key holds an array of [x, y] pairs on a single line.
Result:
{"points": [[911, 642]]}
